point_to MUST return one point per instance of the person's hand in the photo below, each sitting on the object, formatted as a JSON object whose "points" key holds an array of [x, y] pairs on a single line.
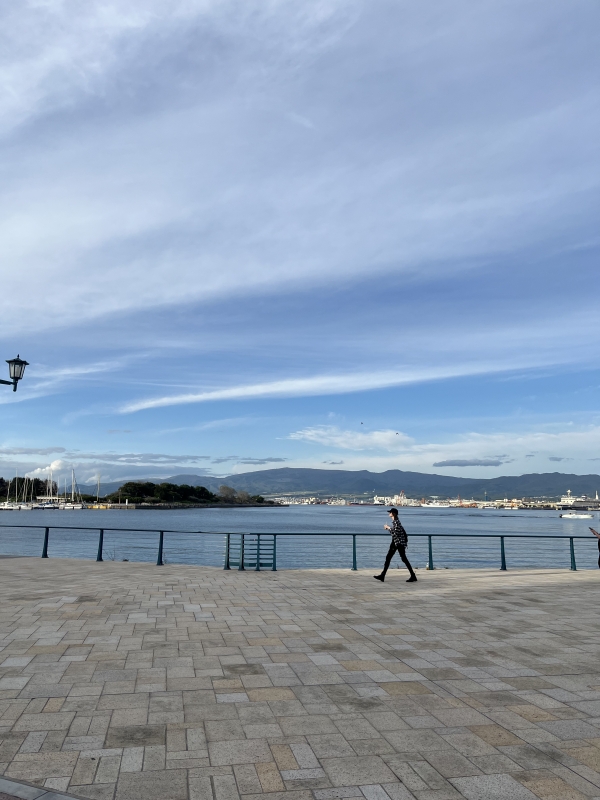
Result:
{"points": [[387, 527]]}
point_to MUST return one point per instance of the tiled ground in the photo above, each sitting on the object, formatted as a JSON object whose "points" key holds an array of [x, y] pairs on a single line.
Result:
{"points": [[133, 682]]}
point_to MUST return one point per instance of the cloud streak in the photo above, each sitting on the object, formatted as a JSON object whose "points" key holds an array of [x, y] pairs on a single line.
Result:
{"points": [[320, 385], [470, 462]]}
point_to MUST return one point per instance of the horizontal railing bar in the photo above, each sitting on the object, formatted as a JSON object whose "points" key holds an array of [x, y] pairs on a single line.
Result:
{"points": [[305, 533]]}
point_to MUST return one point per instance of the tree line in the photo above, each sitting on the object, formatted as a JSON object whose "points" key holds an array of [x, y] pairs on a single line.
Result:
{"points": [[147, 492], [32, 487]]}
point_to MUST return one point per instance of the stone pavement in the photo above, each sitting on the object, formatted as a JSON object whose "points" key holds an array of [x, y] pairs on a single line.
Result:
{"points": [[134, 682]]}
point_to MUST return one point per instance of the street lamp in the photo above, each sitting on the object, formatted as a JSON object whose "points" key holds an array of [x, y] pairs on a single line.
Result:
{"points": [[16, 368]]}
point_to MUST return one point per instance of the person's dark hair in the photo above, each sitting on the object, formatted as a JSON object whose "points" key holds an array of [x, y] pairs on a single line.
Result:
{"points": [[393, 512]]}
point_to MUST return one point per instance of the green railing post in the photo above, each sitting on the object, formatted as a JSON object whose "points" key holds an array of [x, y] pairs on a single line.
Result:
{"points": [[159, 560], [430, 554], [45, 547], [258, 552], [502, 555], [100, 545], [241, 566], [274, 569], [227, 551], [354, 552], [572, 547]]}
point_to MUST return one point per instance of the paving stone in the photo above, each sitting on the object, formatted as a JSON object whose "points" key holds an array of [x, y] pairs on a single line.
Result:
{"points": [[167, 785], [44, 722], [330, 745], [37, 766], [571, 729], [357, 770], [492, 787], [422, 741], [452, 765], [136, 736], [232, 752]]}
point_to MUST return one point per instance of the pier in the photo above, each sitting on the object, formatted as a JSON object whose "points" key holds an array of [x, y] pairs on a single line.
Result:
{"points": [[119, 681]]}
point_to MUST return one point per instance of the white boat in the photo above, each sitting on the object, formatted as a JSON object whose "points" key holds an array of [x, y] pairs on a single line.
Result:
{"points": [[574, 515], [436, 505]]}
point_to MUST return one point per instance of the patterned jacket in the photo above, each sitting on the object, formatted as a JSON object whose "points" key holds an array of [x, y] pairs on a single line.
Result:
{"points": [[399, 534]]}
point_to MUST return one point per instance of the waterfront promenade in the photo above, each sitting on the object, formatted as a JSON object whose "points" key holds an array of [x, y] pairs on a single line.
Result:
{"points": [[128, 681]]}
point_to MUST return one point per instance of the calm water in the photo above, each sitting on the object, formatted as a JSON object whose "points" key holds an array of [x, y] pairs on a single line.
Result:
{"points": [[307, 551]]}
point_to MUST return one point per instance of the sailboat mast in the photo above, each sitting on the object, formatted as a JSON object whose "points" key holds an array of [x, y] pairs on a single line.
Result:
{"points": [[72, 485]]}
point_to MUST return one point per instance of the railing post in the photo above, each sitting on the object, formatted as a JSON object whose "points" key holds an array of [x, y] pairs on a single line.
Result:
{"points": [[430, 554], [502, 555], [241, 566], [45, 547], [572, 547], [258, 552], [354, 552], [274, 569], [227, 543], [159, 560], [100, 545]]}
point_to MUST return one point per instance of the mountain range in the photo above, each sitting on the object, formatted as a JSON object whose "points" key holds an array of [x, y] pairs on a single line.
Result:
{"points": [[326, 482]]}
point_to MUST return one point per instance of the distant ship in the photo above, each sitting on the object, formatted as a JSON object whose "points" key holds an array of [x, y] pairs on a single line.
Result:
{"points": [[574, 515]]}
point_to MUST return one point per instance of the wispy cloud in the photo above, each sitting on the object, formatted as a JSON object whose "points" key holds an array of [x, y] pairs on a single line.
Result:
{"points": [[30, 451], [262, 461], [249, 460], [471, 462], [317, 385]]}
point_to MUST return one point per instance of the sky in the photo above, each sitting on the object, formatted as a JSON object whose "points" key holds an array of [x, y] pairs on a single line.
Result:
{"points": [[242, 235]]}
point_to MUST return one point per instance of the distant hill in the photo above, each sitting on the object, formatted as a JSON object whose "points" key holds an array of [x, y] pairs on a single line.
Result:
{"points": [[326, 482]]}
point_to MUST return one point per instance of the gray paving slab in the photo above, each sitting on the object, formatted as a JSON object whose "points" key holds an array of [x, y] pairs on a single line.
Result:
{"points": [[123, 682], [492, 787]]}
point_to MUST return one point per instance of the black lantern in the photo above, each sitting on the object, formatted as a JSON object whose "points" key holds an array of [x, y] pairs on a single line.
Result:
{"points": [[16, 368]]}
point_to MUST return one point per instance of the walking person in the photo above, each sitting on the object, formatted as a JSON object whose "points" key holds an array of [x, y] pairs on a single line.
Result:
{"points": [[598, 536], [399, 544]]}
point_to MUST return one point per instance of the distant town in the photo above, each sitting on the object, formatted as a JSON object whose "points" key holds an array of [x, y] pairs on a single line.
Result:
{"points": [[566, 501]]}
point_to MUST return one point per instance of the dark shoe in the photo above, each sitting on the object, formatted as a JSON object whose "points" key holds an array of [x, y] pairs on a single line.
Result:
{"points": [[379, 578], [412, 579]]}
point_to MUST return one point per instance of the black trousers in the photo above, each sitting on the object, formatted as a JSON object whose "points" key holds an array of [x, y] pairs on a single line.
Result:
{"points": [[394, 548]]}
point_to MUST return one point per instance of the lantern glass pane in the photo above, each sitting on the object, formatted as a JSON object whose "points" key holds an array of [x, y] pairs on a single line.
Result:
{"points": [[16, 368]]}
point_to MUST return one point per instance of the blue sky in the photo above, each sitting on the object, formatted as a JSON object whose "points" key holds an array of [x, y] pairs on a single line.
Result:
{"points": [[242, 235]]}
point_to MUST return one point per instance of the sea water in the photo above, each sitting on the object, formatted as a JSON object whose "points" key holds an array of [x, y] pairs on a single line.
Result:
{"points": [[186, 540]]}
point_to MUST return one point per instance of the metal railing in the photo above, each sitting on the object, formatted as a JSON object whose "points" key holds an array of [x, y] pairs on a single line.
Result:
{"points": [[254, 543]]}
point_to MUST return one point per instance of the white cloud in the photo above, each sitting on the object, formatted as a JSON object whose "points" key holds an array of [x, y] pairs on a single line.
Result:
{"points": [[57, 468], [330, 436]]}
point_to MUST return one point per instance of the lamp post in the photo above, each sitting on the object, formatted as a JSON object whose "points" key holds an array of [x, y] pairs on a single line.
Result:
{"points": [[16, 368]]}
